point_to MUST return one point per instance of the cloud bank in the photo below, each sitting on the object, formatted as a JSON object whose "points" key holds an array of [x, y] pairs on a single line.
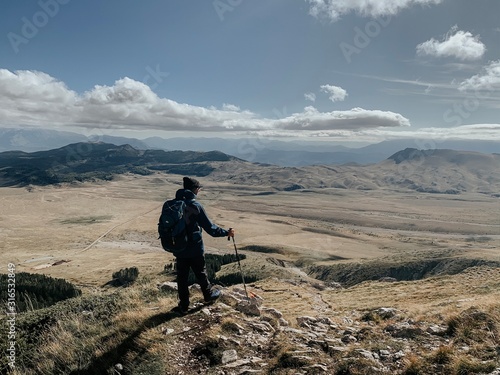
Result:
{"points": [[335, 9], [354, 119], [457, 43], [35, 98]]}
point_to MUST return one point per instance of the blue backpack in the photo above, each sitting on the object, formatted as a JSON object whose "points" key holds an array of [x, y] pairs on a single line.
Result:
{"points": [[172, 226]]}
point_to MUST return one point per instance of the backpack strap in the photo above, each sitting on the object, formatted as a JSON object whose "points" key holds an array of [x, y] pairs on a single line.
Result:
{"points": [[190, 210]]}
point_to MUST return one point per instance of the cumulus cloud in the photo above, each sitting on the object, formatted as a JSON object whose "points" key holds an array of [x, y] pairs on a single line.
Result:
{"points": [[35, 98], [28, 95], [310, 96], [337, 94], [354, 119], [457, 43], [488, 80], [335, 9]]}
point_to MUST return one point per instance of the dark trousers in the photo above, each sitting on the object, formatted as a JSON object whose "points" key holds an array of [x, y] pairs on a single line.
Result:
{"points": [[197, 264]]}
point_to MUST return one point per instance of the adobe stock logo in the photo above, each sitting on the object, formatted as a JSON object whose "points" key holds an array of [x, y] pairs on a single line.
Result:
{"points": [[363, 37], [223, 6], [31, 26]]}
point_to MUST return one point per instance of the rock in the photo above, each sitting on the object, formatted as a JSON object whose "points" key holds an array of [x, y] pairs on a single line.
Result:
{"points": [[404, 330], [167, 331], [384, 354], [350, 330], [386, 312], [263, 327], [327, 320], [206, 311], [294, 331], [437, 330], [306, 321], [248, 308], [238, 363], [273, 312], [283, 322], [365, 353], [333, 341], [229, 356], [346, 339], [167, 286], [316, 368], [254, 298], [399, 355], [337, 349]]}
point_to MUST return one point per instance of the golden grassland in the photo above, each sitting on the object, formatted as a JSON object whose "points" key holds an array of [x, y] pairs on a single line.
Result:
{"points": [[83, 233]]}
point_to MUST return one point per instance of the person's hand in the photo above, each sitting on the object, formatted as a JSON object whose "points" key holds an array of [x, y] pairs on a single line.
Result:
{"points": [[230, 233]]}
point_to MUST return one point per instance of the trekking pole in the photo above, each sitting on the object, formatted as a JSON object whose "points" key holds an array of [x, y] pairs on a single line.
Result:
{"points": [[239, 265]]}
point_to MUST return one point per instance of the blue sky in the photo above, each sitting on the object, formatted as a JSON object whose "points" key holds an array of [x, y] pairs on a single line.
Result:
{"points": [[340, 70]]}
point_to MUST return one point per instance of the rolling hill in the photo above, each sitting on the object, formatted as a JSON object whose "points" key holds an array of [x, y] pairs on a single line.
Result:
{"points": [[428, 171], [90, 161], [257, 149]]}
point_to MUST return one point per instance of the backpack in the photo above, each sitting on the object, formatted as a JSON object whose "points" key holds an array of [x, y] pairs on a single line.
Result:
{"points": [[172, 226]]}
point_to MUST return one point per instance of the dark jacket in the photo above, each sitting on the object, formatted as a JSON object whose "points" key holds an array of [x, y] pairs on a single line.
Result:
{"points": [[197, 220]]}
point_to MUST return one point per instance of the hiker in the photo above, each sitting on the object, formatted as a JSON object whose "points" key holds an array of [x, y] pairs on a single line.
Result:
{"points": [[193, 257]]}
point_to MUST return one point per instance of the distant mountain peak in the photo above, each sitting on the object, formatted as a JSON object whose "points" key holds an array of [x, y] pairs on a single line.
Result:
{"points": [[406, 155]]}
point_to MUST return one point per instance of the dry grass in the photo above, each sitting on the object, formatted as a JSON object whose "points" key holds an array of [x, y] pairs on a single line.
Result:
{"points": [[50, 224]]}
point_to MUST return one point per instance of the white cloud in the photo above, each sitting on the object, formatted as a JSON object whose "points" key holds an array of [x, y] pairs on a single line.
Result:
{"points": [[457, 43], [35, 98], [486, 132], [354, 119], [310, 96], [230, 107], [335, 9], [337, 94], [26, 95], [488, 80], [434, 136]]}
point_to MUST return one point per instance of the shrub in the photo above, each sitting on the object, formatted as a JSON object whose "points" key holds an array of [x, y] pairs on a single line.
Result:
{"points": [[125, 276], [34, 291]]}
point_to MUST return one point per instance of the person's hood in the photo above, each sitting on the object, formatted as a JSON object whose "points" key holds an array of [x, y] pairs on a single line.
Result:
{"points": [[185, 194]]}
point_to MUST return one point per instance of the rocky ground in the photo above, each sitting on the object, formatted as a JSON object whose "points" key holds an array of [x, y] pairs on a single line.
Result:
{"points": [[237, 335]]}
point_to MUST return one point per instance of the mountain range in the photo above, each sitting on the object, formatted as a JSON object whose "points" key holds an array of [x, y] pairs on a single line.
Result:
{"points": [[261, 150], [429, 171]]}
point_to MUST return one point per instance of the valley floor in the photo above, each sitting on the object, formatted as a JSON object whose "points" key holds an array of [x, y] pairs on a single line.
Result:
{"points": [[83, 233]]}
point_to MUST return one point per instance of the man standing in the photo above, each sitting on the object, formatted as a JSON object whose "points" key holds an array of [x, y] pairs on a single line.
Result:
{"points": [[193, 257]]}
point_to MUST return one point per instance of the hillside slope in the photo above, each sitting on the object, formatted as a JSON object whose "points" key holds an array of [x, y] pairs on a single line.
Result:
{"points": [[432, 171], [89, 161], [285, 328], [429, 171]]}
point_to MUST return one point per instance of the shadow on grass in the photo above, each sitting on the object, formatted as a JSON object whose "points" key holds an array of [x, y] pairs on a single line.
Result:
{"points": [[115, 354]]}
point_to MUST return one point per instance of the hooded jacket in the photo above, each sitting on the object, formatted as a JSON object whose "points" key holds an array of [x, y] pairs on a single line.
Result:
{"points": [[197, 221]]}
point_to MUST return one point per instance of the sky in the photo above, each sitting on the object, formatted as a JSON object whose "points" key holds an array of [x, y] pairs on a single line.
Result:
{"points": [[334, 70]]}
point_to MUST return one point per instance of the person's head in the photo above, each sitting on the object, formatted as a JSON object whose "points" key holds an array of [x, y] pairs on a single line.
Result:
{"points": [[192, 184]]}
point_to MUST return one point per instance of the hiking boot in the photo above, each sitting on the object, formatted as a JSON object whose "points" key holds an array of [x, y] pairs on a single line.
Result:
{"points": [[214, 294], [182, 310]]}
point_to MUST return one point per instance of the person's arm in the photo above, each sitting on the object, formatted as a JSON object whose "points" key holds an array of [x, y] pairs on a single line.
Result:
{"points": [[212, 229]]}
